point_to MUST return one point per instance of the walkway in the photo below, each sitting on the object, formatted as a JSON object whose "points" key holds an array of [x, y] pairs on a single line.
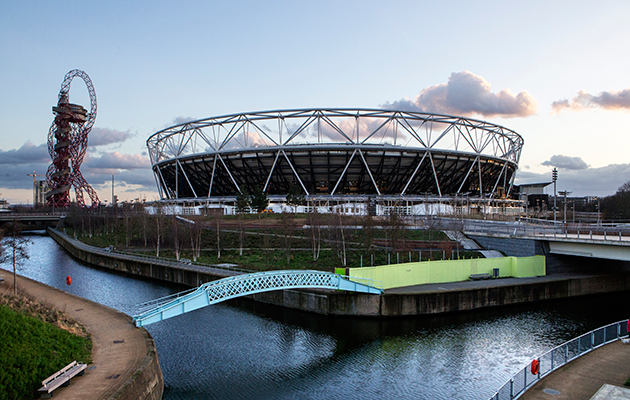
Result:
{"points": [[582, 378], [488, 283], [118, 350]]}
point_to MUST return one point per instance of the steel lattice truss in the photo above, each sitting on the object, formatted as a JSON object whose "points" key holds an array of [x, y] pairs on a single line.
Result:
{"points": [[243, 285], [67, 144], [335, 152]]}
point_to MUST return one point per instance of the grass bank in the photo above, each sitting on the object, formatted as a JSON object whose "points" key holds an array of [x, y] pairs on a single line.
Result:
{"points": [[35, 342]]}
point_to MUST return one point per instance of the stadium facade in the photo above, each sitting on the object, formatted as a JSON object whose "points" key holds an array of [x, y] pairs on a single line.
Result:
{"points": [[338, 156]]}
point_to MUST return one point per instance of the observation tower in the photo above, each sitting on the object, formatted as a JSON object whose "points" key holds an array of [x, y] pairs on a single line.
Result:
{"points": [[67, 144]]}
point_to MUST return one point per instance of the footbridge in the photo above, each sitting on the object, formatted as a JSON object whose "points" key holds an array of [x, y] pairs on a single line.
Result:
{"points": [[32, 220], [242, 285]]}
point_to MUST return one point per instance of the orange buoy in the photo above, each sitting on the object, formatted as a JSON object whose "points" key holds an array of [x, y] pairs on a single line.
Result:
{"points": [[68, 280], [535, 367]]}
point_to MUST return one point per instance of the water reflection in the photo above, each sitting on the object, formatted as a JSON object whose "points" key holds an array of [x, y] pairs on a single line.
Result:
{"points": [[243, 349]]}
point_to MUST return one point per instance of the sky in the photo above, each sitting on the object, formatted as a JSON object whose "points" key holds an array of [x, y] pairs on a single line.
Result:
{"points": [[555, 72]]}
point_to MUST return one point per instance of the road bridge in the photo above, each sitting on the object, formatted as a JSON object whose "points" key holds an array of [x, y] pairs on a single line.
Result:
{"points": [[582, 240], [32, 221], [242, 285]]}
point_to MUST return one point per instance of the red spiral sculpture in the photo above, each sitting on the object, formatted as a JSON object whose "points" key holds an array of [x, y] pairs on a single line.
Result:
{"points": [[67, 143]]}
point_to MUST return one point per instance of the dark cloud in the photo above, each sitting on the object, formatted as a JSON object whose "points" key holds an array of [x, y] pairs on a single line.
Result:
{"points": [[566, 162], [143, 178], [106, 136], [602, 181], [27, 154], [466, 94], [609, 100], [117, 161]]}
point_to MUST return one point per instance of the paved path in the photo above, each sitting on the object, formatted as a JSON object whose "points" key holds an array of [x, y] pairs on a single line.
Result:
{"points": [[471, 285], [582, 378], [118, 347]]}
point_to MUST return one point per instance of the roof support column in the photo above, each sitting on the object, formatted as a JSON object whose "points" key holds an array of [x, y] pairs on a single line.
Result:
{"points": [[344, 172]]}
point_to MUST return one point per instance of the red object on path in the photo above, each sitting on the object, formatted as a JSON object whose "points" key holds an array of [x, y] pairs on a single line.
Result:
{"points": [[68, 280], [535, 366]]}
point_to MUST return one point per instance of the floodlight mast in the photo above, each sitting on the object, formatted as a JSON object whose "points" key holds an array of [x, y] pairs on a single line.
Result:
{"points": [[67, 144]]}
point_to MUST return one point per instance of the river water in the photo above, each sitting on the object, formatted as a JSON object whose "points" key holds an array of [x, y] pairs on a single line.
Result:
{"points": [[247, 350]]}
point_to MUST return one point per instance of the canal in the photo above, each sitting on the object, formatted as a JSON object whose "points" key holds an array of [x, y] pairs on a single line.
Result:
{"points": [[243, 350]]}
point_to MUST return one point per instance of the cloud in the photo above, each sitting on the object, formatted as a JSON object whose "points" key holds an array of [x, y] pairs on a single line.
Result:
{"points": [[602, 181], [608, 100], [117, 161], [466, 94], [182, 120], [566, 162], [27, 154], [105, 136]]}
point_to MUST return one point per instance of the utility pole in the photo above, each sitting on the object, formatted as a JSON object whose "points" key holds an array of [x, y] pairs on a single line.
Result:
{"points": [[565, 193], [554, 178]]}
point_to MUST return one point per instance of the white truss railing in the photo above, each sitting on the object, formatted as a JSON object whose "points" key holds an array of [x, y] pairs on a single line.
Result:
{"points": [[358, 127], [243, 285]]}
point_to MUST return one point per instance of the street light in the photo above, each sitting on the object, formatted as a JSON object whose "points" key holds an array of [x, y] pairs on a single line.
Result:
{"points": [[565, 193], [554, 178]]}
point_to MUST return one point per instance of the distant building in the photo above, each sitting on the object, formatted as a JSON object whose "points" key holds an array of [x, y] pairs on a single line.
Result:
{"points": [[534, 195], [40, 188]]}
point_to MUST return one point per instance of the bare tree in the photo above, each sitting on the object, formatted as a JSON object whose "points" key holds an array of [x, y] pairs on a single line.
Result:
{"points": [[338, 236], [315, 221], [218, 220], [286, 227], [195, 230], [128, 220], [14, 249], [243, 202], [176, 236], [140, 211], [159, 227]]}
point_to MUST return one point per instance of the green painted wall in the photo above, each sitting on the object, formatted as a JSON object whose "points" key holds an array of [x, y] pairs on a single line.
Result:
{"points": [[418, 273]]}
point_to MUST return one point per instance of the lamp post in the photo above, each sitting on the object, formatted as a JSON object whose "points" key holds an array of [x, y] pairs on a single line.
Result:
{"points": [[565, 193], [599, 221], [554, 178]]}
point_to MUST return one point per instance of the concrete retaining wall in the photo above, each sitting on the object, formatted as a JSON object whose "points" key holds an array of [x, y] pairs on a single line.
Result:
{"points": [[147, 383], [330, 302]]}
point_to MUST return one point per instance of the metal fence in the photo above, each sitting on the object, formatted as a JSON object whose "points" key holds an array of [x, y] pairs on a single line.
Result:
{"points": [[559, 356], [123, 255]]}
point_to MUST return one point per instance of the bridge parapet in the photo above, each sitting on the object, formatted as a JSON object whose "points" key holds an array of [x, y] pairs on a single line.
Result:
{"points": [[242, 285]]}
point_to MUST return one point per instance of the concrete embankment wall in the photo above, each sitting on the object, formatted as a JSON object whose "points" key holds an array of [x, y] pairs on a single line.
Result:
{"points": [[387, 305], [147, 382], [144, 269]]}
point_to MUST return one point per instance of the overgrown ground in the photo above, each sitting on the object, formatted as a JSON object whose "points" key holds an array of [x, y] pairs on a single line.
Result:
{"points": [[268, 242], [35, 342]]}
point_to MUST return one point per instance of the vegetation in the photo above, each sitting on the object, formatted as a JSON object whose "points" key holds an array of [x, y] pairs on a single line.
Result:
{"points": [[617, 206], [35, 342], [266, 241], [13, 248]]}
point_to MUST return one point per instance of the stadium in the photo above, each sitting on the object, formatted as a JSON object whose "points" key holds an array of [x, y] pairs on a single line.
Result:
{"points": [[339, 156]]}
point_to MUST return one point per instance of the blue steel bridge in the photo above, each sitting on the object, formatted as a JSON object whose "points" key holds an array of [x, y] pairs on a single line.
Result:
{"points": [[242, 285]]}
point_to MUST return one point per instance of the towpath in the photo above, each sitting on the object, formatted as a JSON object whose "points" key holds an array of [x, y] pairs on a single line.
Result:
{"points": [[119, 348]]}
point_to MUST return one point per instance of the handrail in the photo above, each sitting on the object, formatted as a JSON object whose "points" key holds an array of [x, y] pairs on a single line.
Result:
{"points": [[142, 257], [559, 356]]}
